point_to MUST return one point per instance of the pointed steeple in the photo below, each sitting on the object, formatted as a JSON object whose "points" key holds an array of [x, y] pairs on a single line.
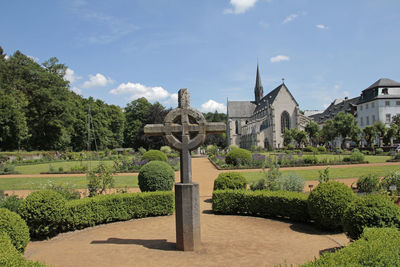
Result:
{"points": [[258, 88]]}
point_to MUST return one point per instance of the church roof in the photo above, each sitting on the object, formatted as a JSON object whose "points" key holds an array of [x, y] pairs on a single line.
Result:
{"points": [[240, 109], [270, 97], [384, 82]]}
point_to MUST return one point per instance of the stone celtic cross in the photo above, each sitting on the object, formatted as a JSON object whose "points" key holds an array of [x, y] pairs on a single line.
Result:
{"points": [[185, 129]]}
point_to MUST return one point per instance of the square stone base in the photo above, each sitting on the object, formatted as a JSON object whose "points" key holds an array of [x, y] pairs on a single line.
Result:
{"points": [[187, 215]]}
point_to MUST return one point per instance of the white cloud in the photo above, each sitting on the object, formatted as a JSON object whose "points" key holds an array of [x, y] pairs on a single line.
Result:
{"points": [[279, 58], [137, 90], [212, 106], [290, 18], [98, 80], [321, 26], [70, 75], [76, 90], [240, 6]]}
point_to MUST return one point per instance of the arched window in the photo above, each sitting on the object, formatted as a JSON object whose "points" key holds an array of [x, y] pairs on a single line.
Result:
{"points": [[237, 127], [285, 121]]}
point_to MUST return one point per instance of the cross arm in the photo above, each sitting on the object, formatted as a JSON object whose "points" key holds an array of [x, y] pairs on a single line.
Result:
{"points": [[154, 129], [215, 127]]}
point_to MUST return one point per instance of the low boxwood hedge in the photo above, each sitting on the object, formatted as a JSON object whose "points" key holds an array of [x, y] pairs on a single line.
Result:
{"points": [[88, 212], [376, 247], [292, 205], [10, 257]]}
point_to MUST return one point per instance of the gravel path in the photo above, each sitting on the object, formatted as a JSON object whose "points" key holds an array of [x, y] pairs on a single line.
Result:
{"points": [[226, 240]]}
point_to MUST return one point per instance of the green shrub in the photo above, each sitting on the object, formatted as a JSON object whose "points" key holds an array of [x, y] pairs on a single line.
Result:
{"points": [[368, 183], [285, 204], [365, 152], [259, 185], [211, 150], [379, 151], [290, 147], [370, 211], [327, 203], [356, 156], [321, 149], [15, 227], [238, 156], [66, 190], [11, 203], [272, 178], [310, 160], [324, 176], [155, 155], [392, 179], [156, 176], [309, 149], [43, 211], [10, 257], [292, 182], [230, 180], [141, 150], [82, 213], [376, 247], [166, 150]]}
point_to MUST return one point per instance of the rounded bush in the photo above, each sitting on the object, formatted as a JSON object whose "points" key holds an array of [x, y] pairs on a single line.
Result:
{"points": [[166, 150], [238, 156], [155, 155], [327, 203], [355, 156], [368, 183], [309, 149], [43, 211], [321, 149], [230, 180], [370, 211], [156, 176], [15, 227]]}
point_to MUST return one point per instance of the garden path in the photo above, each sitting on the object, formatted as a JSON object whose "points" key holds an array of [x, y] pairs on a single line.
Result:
{"points": [[226, 240]]}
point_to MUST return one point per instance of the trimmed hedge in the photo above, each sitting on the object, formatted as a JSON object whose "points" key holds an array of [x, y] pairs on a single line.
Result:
{"points": [[15, 227], [327, 203], [155, 155], [82, 213], [156, 176], [230, 180], [238, 156], [370, 211], [376, 247], [10, 257], [292, 205], [43, 211]]}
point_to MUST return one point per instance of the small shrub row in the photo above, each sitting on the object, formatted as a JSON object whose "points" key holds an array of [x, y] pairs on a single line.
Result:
{"points": [[11, 257], [376, 247], [290, 205]]}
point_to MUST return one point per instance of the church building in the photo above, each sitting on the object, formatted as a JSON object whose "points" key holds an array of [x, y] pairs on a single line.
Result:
{"points": [[262, 122]]}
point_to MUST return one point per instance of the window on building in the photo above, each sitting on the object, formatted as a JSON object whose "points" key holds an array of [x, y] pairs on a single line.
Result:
{"points": [[373, 118], [285, 121], [366, 106], [236, 127], [385, 91], [387, 103], [388, 117], [361, 107], [397, 103], [373, 105], [367, 122], [361, 121]]}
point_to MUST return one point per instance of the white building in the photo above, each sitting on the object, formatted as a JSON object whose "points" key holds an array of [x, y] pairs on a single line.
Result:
{"points": [[379, 102]]}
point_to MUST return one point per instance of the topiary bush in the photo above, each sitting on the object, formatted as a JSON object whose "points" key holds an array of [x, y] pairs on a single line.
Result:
{"points": [[327, 203], [370, 211], [15, 227], [321, 149], [43, 211], [10, 257], [155, 155], [291, 182], [238, 156], [166, 150], [310, 160], [376, 247], [392, 179], [230, 180], [368, 183], [156, 176], [356, 156]]}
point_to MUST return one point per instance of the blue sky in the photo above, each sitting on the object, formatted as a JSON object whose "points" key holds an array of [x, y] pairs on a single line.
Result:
{"points": [[123, 49]]}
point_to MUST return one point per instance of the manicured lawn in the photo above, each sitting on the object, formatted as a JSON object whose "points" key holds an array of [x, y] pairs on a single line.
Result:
{"points": [[337, 173], [26, 183], [66, 165]]}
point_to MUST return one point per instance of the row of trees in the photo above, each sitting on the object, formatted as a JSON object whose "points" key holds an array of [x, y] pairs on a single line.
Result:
{"points": [[38, 111], [344, 126]]}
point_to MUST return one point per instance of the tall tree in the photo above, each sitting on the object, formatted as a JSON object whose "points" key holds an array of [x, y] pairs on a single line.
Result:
{"points": [[135, 115], [329, 132], [313, 129], [344, 124], [380, 129], [370, 135]]}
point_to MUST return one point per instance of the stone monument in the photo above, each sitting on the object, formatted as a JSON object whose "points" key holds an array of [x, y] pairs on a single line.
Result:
{"points": [[185, 129]]}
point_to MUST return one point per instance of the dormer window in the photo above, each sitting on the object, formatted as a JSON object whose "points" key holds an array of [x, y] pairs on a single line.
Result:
{"points": [[385, 91]]}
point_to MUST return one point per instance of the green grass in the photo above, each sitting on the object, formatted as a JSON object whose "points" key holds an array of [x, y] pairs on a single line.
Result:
{"points": [[27, 183], [66, 165], [337, 173]]}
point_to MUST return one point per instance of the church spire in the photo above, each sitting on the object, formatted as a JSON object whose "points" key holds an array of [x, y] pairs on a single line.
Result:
{"points": [[258, 89]]}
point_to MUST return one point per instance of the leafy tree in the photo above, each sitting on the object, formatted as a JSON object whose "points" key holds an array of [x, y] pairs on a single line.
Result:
{"points": [[355, 134], [380, 130], [215, 139], [328, 132], [392, 132], [313, 130], [287, 136], [344, 124], [300, 136], [135, 114], [369, 135]]}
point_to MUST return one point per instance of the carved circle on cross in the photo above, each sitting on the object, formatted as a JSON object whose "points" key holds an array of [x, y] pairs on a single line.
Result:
{"points": [[185, 128]]}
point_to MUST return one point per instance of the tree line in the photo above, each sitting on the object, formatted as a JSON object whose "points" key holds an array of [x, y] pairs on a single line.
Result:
{"points": [[38, 111]]}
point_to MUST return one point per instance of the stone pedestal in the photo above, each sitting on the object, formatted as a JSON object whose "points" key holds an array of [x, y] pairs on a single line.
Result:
{"points": [[187, 216]]}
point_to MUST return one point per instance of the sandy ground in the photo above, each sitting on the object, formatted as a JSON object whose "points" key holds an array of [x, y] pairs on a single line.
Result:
{"points": [[226, 240]]}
